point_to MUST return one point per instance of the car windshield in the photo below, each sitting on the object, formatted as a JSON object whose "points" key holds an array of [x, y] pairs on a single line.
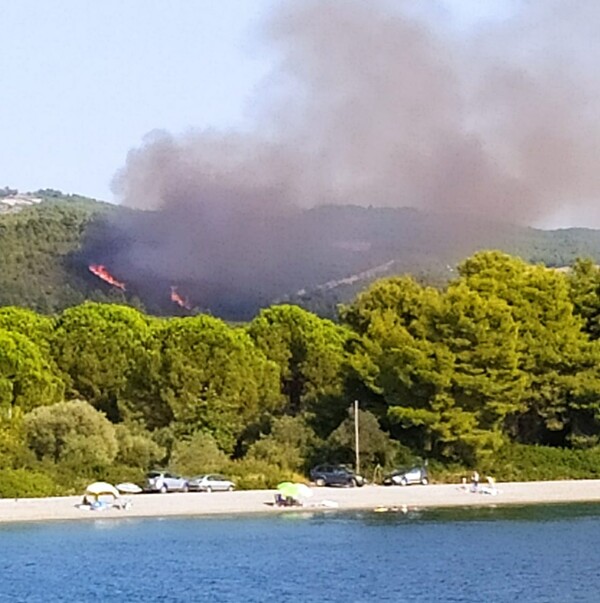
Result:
{"points": [[154, 474]]}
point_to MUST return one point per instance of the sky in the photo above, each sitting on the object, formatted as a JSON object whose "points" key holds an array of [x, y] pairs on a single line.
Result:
{"points": [[85, 82]]}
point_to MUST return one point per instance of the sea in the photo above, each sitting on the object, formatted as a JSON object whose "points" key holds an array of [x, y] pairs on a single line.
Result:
{"points": [[540, 554]]}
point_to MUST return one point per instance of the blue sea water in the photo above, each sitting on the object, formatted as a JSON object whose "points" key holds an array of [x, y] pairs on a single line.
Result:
{"points": [[536, 554]]}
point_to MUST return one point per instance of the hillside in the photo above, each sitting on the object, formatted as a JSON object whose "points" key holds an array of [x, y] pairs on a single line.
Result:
{"points": [[37, 240], [385, 241], [328, 254]]}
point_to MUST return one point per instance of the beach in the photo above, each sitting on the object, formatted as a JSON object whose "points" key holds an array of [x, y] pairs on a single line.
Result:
{"points": [[370, 497]]}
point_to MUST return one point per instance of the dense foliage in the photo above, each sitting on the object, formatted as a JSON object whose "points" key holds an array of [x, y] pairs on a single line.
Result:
{"points": [[499, 370], [36, 247]]}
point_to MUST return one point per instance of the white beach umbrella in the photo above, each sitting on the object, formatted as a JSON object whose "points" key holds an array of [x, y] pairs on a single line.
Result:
{"points": [[128, 488], [98, 489]]}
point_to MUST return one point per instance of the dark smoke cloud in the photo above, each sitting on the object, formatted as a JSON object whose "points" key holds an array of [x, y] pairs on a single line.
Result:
{"points": [[374, 103], [370, 105]]}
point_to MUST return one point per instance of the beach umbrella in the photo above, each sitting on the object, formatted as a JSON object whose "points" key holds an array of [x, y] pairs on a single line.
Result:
{"points": [[294, 490], [128, 488], [284, 486], [98, 489]]}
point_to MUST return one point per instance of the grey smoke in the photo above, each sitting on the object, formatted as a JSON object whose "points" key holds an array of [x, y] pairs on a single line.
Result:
{"points": [[370, 104], [375, 103]]}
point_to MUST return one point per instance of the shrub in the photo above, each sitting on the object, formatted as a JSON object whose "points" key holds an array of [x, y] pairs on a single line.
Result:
{"points": [[249, 474], [377, 449], [199, 454], [115, 474], [447, 473], [22, 483], [137, 449], [74, 432], [517, 462], [288, 446]]}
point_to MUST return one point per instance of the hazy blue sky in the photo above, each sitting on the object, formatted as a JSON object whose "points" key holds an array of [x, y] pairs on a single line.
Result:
{"points": [[84, 81]]}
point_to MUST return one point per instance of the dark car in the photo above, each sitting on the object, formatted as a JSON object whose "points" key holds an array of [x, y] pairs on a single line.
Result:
{"points": [[404, 477], [335, 475]]}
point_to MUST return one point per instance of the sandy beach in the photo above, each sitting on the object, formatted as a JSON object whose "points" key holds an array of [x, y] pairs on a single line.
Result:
{"points": [[261, 501]]}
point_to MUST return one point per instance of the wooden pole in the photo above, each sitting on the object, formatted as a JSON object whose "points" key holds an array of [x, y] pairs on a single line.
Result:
{"points": [[356, 439]]}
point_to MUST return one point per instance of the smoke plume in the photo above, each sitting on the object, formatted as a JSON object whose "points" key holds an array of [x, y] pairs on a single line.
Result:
{"points": [[374, 103], [369, 104]]}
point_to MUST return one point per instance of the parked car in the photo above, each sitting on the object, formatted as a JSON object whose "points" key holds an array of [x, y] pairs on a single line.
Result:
{"points": [[210, 483], [164, 481], [335, 475], [404, 477]]}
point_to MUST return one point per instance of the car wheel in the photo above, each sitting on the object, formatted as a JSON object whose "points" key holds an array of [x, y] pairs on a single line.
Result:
{"points": [[319, 482], [185, 488], [163, 489], [404, 482], [353, 483], [424, 481], [208, 489], [230, 489]]}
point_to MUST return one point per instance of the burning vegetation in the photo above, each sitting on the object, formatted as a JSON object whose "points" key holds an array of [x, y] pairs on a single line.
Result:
{"points": [[181, 301], [102, 273]]}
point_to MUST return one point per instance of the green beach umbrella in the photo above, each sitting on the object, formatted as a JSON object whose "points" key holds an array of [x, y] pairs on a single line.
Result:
{"points": [[294, 490]]}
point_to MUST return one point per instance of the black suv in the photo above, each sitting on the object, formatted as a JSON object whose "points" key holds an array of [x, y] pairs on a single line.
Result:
{"points": [[335, 475]]}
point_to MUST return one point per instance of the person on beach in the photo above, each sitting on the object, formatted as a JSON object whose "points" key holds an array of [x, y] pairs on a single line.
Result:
{"points": [[475, 481], [491, 487]]}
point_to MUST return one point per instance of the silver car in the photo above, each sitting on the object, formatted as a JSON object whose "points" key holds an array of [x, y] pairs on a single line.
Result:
{"points": [[164, 481], [211, 482], [404, 477]]}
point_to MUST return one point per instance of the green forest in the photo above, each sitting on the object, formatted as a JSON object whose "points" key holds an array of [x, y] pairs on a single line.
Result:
{"points": [[36, 246], [499, 371]]}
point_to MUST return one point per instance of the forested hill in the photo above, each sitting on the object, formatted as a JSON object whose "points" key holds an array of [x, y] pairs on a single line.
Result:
{"points": [[37, 240], [428, 246], [341, 249]]}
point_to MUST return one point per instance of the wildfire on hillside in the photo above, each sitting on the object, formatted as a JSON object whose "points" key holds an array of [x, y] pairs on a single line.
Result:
{"points": [[179, 299], [101, 272]]}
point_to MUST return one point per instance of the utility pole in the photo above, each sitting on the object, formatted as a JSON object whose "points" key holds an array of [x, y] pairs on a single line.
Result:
{"points": [[356, 439]]}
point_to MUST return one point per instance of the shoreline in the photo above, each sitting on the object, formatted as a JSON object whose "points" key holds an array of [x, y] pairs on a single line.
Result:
{"points": [[252, 502]]}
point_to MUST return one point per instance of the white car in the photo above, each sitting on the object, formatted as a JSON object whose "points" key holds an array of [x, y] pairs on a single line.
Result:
{"points": [[212, 482], [163, 481]]}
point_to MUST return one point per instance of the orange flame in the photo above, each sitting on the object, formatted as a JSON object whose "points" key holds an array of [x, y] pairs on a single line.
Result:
{"points": [[101, 272], [179, 300]]}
